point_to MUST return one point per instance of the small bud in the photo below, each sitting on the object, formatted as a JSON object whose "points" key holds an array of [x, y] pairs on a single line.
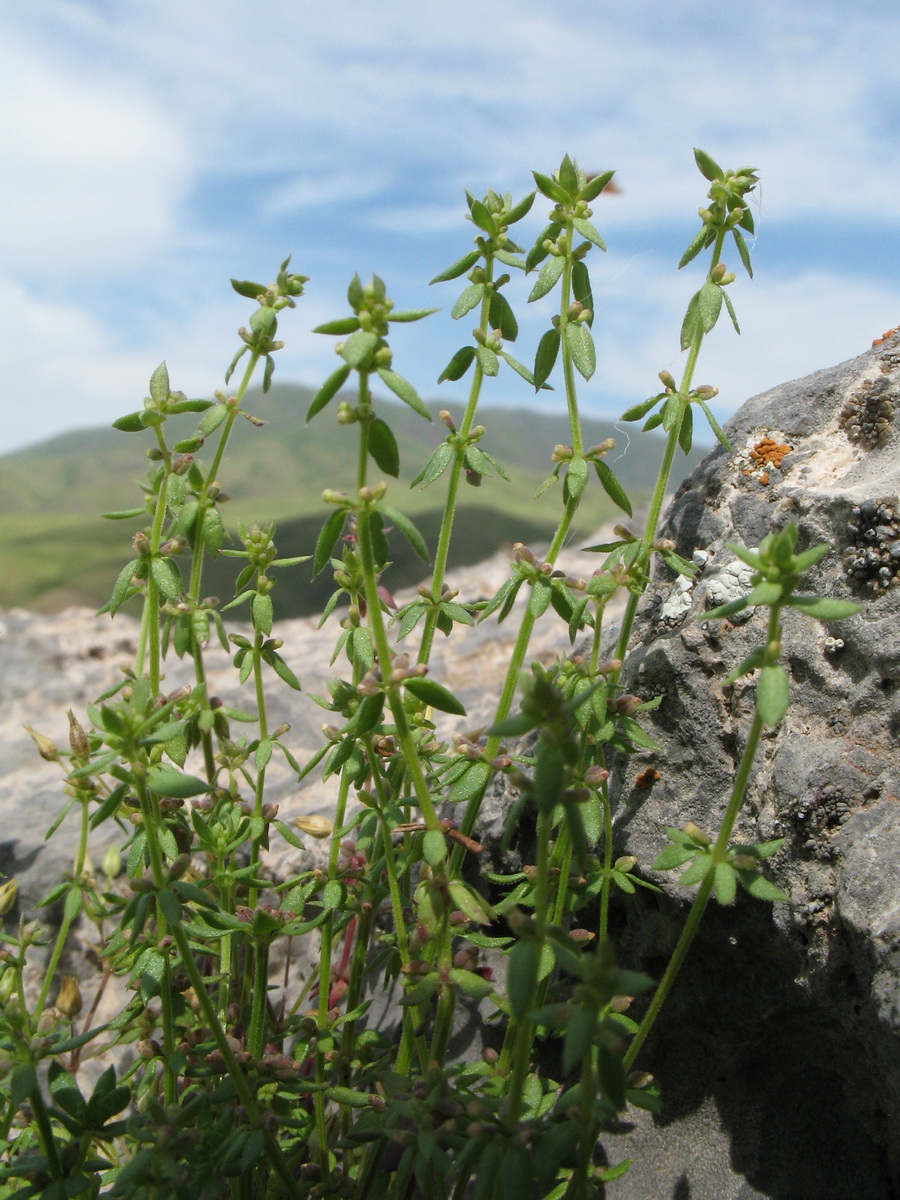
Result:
{"points": [[594, 776], [627, 705], [625, 862], [447, 418], [314, 825], [668, 381], [8, 893], [112, 862], [77, 737], [47, 749], [69, 1001], [696, 834]]}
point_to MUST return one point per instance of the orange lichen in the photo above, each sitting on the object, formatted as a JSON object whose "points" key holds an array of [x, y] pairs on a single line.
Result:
{"points": [[646, 779], [889, 333], [769, 453]]}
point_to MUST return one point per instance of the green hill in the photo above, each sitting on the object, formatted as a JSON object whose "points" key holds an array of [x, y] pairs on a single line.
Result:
{"points": [[56, 550]]}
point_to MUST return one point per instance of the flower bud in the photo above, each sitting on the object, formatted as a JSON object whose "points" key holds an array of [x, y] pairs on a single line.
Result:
{"points": [[112, 862], [77, 737], [8, 891], [315, 825], [47, 749], [69, 1001], [696, 834]]}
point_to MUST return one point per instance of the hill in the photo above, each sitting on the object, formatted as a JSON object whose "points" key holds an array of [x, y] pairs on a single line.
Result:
{"points": [[57, 550]]}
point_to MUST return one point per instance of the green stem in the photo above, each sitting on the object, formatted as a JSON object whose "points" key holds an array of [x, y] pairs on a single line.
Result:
{"points": [[443, 546], [241, 1087], [665, 469]]}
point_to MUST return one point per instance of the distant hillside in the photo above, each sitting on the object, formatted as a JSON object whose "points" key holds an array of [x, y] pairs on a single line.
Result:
{"points": [[56, 550]]}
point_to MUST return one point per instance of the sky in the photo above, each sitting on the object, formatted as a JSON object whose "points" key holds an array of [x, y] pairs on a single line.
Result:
{"points": [[151, 150]]}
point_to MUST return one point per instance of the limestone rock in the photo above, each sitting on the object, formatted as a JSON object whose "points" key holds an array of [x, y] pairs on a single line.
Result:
{"points": [[779, 1048]]}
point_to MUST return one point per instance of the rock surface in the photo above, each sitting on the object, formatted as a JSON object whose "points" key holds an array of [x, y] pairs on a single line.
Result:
{"points": [[779, 1048]]}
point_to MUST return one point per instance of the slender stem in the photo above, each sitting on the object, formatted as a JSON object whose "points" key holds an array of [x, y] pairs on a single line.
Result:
{"points": [[443, 546]]}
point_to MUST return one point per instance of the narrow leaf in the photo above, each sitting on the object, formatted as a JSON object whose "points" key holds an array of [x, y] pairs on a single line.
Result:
{"points": [[406, 392], [772, 693], [328, 391], [458, 268], [434, 694]]}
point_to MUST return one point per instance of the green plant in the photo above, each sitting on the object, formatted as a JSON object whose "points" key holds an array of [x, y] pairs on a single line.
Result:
{"points": [[227, 1095]]}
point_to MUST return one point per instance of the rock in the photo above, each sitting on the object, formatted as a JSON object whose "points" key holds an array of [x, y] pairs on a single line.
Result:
{"points": [[778, 1050]]}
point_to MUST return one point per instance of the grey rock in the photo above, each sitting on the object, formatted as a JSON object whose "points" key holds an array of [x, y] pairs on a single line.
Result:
{"points": [[778, 1050]]}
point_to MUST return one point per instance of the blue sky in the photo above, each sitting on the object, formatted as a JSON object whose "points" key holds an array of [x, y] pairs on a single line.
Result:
{"points": [[153, 149]]}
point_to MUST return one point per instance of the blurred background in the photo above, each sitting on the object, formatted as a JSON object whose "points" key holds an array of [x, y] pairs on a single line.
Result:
{"points": [[150, 151]]}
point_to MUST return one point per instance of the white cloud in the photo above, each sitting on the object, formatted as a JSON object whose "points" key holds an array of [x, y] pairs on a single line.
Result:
{"points": [[99, 172]]}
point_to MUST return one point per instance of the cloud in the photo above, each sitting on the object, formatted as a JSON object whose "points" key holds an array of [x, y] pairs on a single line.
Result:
{"points": [[99, 171]]}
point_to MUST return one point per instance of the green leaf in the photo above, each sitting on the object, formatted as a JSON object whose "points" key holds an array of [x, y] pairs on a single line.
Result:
{"points": [[471, 782], [595, 186], [434, 847], [434, 694], [637, 411], [742, 251], [469, 299], [490, 364], [246, 287], [709, 305], [754, 660], [383, 447], [716, 427], [122, 585], [579, 1035], [358, 349], [159, 384], [404, 390], [551, 188], [409, 531], [518, 211], [262, 612], [547, 279], [611, 486], [699, 869], [709, 168], [412, 314], [727, 610], [824, 608], [483, 218], [458, 364], [686, 432], [437, 464], [772, 693], [704, 238], [518, 367], [581, 287], [522, 980], [545, 359], [328, 391], [328, 536], [166, 577], [581, 347], [23, 1083], [343, 325], [458, 268], [692, 325], [731, 312], [131, 423], [587, 231], [166, 781], [725, 883], [760, 887], [502, 317]]}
